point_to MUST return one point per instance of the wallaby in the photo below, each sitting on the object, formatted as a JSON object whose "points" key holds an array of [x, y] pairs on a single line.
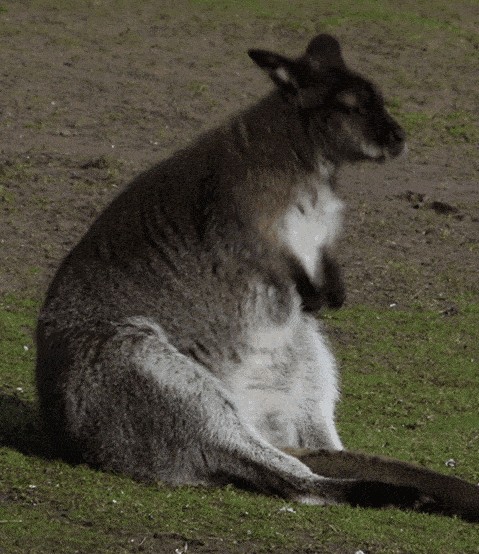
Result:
{"points": [[176, 343]]}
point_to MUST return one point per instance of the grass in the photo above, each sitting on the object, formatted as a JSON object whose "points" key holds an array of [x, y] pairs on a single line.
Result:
{"points": [[420, 370], [409, 390]]}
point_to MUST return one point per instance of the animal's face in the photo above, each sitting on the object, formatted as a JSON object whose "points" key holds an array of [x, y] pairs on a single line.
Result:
{"points": [[349, 113], [344, 113]]}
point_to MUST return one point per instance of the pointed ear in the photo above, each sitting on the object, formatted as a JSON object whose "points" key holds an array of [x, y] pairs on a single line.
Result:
{"points": [[279, 68], [325, 51]]}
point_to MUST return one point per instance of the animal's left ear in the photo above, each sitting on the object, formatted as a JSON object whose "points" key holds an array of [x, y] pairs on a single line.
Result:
{"points": [[325, 52], [283, 71]]}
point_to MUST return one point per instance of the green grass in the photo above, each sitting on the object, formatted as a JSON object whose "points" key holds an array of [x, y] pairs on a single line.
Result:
{"points": [[17, 349], [419, 370], [409, 390]]}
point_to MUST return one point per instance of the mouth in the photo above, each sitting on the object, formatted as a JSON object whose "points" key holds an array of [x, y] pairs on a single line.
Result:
{"points": [[381, 154], [399, 150], [372, 151]]}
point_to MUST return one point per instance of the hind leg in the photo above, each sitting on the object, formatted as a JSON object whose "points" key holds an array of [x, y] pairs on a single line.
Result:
{"points": [[146, 410], [135, 405]]}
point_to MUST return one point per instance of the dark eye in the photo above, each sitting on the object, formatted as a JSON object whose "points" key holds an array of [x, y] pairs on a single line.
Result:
{"points": [[350, 103], [348, 109]]}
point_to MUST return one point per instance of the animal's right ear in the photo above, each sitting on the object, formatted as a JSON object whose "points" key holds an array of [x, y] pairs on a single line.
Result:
{"points": [[282, 70]]}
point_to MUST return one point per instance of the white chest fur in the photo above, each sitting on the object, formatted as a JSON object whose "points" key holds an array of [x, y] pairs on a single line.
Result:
{"points": [[311, 224]]}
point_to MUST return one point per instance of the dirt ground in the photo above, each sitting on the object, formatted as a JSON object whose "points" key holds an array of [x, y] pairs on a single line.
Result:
{"points": [[92, 96]]}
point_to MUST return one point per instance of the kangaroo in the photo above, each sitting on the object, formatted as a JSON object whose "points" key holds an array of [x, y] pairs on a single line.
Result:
{"points": [[176, 341]]}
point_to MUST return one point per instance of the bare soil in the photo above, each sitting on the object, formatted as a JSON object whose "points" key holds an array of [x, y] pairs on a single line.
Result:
{"points": [[91, 96]]}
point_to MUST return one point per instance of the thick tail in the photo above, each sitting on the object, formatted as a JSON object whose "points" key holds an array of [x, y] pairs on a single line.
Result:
{"points": [[377, 481]]}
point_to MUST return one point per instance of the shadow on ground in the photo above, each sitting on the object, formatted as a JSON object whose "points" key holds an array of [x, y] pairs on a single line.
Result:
{"points": [[21, 427]]}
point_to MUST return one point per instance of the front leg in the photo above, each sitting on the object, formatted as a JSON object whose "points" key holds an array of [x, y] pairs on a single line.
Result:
{"points": [[333, 285], [330, 292]]}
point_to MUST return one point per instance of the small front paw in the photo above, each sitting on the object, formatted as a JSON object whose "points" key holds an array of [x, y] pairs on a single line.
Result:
{"points": [[335, 298], [313, 303]]}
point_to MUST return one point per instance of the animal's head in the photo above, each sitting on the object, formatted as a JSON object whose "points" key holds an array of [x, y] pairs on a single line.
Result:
{"points": [[344, 112]]}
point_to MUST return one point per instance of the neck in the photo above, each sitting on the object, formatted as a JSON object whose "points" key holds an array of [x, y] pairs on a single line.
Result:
{"points": [[272, 134]]}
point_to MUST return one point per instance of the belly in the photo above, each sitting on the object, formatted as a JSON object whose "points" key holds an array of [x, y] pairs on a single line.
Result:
{"points": [[268, 397], [279, 379]]}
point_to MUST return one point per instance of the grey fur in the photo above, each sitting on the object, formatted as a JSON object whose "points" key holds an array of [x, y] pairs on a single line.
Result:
{"points": [[174, 343]]}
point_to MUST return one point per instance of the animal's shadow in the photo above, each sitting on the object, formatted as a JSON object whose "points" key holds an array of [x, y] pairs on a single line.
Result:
{"points": [[21, 427]]}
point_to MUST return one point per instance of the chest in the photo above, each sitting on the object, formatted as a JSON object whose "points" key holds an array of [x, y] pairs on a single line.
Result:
{"points": [[311, 224]]}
